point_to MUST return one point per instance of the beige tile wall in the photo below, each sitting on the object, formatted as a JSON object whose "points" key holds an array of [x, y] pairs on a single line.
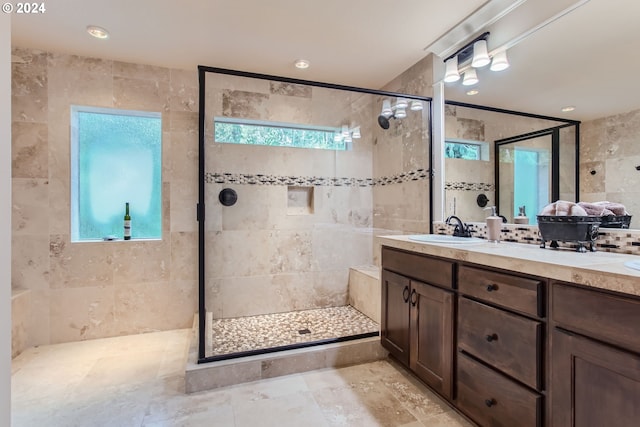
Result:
{"points": [[261, 256], [90, 290], [609, 147]]}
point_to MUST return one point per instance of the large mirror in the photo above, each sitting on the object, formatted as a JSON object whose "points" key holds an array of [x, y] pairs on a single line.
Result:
{"points": [[478, 174], [569, 63]]}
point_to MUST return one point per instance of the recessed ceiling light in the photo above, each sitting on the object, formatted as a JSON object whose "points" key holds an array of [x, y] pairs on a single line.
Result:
{"points": [[97, 32], [568, 108], [302, 64], [472, 92]]}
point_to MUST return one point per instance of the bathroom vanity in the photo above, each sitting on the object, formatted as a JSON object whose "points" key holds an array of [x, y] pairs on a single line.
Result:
{"points": [[514, 335]]}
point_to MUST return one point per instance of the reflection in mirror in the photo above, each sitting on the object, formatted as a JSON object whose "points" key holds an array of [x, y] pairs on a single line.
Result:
{"points": [[467, 177], [524, 174]]}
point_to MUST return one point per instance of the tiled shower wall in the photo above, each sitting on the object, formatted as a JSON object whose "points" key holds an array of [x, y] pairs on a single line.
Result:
{"points": [[610, 161], [404, 149], [89, 290], [303, 216]]}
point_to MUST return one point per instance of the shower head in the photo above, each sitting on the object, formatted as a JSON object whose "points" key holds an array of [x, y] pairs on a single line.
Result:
{"points": [[383, 121]]}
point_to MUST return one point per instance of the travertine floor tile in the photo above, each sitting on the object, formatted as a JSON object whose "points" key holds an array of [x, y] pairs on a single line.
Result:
{"points": [[139, 381]]}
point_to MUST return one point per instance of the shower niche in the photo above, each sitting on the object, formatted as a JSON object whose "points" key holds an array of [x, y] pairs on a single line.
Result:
{"points": [[299, 200], [301, 157]]}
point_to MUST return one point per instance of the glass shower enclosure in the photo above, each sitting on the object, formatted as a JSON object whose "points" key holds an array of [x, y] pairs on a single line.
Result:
{"points": [[292, 175]]}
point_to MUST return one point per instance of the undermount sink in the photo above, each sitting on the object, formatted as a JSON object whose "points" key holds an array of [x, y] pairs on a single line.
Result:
{"points": [[444, 238], [633, 264]]}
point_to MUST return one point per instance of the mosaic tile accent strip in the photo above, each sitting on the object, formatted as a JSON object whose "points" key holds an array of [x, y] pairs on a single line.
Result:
{"points": [[274, 330], [609, 239], [469, 186], [260, 179]]}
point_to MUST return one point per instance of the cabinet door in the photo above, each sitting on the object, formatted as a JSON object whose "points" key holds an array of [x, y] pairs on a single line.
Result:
{"points": [[593, 384], [432, 336], [394, 330]]}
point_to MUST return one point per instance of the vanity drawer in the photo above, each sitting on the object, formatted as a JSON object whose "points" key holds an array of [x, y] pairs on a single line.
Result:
{"points": [[424, 268], [491, 399], [509, 342], [517, 293], [611, 318]]}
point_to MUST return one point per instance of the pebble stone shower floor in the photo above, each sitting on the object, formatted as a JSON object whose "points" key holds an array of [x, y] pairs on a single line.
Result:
{"points": [[241, 334]]}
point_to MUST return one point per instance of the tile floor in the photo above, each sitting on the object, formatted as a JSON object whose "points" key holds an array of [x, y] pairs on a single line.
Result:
{"points": [[273, 330], [139, 381]]}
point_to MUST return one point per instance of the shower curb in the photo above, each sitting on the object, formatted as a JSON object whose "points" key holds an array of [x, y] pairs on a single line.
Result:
{"points": [[208, 376]]}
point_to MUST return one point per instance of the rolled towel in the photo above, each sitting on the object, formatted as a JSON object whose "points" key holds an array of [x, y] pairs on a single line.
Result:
{"points": [[563, 208], [604, 208], [618, 209], [594, 209]]}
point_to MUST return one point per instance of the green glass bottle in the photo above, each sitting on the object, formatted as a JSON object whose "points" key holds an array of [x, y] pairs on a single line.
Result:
{"points": [[127, 223]]}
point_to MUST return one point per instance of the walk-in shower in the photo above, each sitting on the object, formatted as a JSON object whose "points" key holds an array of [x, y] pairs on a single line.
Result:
{"points": [[296, 179]]}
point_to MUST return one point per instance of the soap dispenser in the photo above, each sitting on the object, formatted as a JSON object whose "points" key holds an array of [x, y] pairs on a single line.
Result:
{"points": [[522, 217], [494, 225]]}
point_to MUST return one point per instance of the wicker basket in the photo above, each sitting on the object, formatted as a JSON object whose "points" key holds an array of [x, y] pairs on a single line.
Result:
{"points": [[581, 230]]}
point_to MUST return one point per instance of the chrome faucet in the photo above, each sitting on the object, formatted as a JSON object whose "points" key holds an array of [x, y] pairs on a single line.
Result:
{"points": [[461, 230]]}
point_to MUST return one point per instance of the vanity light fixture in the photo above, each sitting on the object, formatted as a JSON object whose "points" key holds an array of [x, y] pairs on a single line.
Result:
{"points": [[386, 109], [302, 64], [397, 110], [500, 61], [480, 54], [347, 134], [451, 73], [97, 32], [471, 56], [470, 77], [416, 105]]}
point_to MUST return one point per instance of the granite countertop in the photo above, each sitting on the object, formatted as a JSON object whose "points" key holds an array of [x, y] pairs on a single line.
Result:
{"points": [[602, 270]]}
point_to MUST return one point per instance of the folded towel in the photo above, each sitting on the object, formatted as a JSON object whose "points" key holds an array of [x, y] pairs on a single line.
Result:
{"points": [[603, 208], [563, 208]]}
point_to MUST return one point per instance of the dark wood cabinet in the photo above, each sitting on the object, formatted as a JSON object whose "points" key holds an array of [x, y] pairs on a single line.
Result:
{"points": [[417, 320], [431, 332], [593, 384], [394, 328], [511, 349], [595, 359]]}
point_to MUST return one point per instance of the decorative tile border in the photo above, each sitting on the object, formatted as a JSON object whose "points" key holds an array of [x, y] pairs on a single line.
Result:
{"points": [[609, 239], [469, 186], [260, 179]]}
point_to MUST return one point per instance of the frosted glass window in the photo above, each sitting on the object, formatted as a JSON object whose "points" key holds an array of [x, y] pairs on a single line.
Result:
{"points": [[254, 132], [116, 157]]}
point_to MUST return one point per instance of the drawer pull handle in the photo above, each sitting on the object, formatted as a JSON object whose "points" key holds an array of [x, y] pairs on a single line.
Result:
{"points": [[405, 294], [490, 402], [414, 297], [492, 337], [492, 288]]}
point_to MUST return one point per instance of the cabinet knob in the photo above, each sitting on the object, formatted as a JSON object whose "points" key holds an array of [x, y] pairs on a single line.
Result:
{"points": [[405, 294], [492, 337], [492, 287], [414, 297], [490, 402]]}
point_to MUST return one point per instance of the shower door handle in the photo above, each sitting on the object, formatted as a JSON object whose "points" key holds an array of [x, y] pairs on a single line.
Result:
{"points": [[405, 294]]}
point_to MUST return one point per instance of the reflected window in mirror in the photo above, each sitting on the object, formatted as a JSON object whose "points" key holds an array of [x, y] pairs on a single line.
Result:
{"points": [[466, 150]]}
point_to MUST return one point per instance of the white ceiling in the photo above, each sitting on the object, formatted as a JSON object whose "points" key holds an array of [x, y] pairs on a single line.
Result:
{"points": [[364, 43]]}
